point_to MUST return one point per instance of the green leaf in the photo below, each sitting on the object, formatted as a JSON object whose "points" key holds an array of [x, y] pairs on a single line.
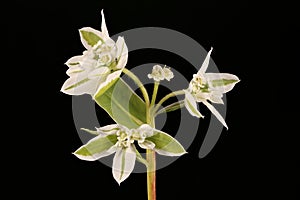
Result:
{"points": [[123, 105], [96, 148], [171, 107], [166, 144], [222, 82], [90, 37]]}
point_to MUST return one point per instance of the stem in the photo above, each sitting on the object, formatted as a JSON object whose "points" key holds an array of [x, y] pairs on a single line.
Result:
{"points": [[139, 84], [151, 174], [155, 88], [151, 170], [172, 94]]}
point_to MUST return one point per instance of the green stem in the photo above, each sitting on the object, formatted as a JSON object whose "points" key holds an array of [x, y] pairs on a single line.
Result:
{"points": [[139, 84], [151, 174], [155, 88], [172, 94], [151, 170]]}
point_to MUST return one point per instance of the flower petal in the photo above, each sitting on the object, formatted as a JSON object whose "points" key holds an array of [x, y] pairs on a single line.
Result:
{"points": [[216, 113], [99, 72], [79, 84], [103, 26], [123, 163], [216, 97], [205, 63], [74, 61], [108, 129], [222, 82], [90, 37], [96, 148], [191, 105], [146, 130], [122, 53], [73, 70], [147, 144]]}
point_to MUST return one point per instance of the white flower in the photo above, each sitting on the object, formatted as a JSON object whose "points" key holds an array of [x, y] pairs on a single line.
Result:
{"points": [[159, 73], [206, 87], [100, 64], [119, 139], [168, 73]]}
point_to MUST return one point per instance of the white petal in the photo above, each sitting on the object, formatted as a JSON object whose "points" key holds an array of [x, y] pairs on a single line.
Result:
{"points": [[191, 104], [74, 69], [202, 96], [157, 68], [103, 26], [108, 129], [221, 76], [216, 113], [98, 72], [122, 53], [205, 63], [74, 61], [147, 144], [79, 84], [97, 156], [89, 29], [216, 97], [111, 77], [166, 153], [146, 129], [123, 163]]}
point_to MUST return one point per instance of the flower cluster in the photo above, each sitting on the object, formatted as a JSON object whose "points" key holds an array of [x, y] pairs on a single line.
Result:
{"points": [[206, 87], [101, 63], [97, 72], [120, 140]]}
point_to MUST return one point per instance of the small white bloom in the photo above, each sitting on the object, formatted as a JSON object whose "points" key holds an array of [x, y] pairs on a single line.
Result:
{"points": [[206, 87], [168, 73], [159, 73], [101, 63]]}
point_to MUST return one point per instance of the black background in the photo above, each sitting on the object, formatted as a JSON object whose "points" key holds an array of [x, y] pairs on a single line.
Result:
{"points": [[246, 162]]}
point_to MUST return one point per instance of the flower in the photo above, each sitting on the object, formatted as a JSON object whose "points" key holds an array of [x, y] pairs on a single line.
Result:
{"points": [[206, 87], [120, 140], [168, 73], [159, 73], [101, 63]]}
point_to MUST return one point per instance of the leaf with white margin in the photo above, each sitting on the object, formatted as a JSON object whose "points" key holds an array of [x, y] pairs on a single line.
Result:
{"points": [[191, 105], [79, 84], [165, 144], [122, 104], [123, 163], [97, 147], [205, 63], [90, 131], [222, 82], [90, 37], [216, 113]]}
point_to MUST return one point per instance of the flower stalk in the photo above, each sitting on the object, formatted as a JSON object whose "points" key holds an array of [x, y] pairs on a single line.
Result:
{"points": [[165, 98]]}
